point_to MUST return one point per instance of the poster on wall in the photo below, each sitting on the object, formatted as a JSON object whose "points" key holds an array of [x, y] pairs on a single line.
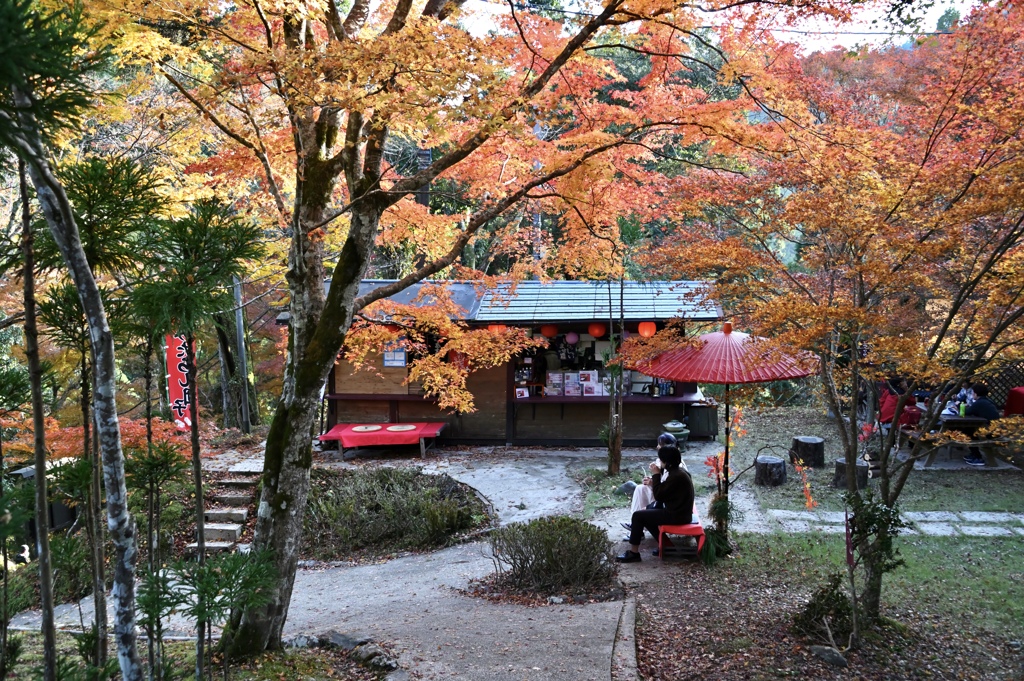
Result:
{"points": [[394, 356], [522, 393], [177, 382]]}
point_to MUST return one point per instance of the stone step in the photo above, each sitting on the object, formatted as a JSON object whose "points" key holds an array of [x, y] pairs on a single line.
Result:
{"points": [[232, 499], [238, 483], [227, 515], [211, 546], [228, 532]]}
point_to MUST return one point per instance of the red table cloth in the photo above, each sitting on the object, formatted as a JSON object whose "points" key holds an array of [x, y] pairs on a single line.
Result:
{"points": [[349, 438], [1014, 402]]}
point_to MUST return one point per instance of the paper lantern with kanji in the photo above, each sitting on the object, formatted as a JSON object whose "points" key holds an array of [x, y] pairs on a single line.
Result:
{"points": [[549, 330], [596, 329], [647, 329]]}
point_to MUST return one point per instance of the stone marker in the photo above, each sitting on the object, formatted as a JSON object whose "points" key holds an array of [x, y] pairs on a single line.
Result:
{"points": [[830, 655]]}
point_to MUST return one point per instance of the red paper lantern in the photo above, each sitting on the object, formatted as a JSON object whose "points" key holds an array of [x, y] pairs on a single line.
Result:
{"points": [[497, 328], [647, 329], [458, 359], [596, 329], [549, 330]]}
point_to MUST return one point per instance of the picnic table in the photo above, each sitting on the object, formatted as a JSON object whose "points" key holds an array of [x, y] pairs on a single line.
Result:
{"points": [[963, 424], [352, 435]]}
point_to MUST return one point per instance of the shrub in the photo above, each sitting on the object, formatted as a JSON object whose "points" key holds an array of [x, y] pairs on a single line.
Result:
{"points": [[384, 510], [553, 554], [72, 571], [831, 604]]}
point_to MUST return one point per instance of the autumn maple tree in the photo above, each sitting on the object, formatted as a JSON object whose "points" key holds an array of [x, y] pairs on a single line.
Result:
{"points": [[881, 225], [308, 100]]}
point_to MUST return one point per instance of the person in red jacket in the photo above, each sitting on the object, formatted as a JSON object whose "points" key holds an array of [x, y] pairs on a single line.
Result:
{"points": [[889, 396]]}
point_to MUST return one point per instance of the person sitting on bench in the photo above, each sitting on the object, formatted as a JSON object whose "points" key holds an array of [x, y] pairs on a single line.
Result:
{"points": [[985, 408], [643, 497], [675, 492]]}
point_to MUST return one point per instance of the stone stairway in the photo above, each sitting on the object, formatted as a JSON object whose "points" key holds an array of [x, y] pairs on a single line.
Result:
{"points": [[225, 519]]}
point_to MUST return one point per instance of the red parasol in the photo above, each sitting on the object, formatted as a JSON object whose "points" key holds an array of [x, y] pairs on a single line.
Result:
{"points": [[726, 357]]}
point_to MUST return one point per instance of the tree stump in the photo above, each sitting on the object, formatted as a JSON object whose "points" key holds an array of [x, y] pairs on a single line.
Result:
{"points": [[840, 478], [810, 450], [769, 471]]}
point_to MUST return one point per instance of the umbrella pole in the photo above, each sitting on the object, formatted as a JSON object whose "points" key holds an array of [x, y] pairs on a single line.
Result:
{"points": [[725, 464]]}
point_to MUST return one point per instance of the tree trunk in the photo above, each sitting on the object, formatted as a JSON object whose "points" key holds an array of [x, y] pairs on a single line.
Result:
{"points": [[149, 394], [99, 577], [35, 373], [229, 385], [871, 594], [318, 329], [197, 481], [60, 218], [6, 586]]}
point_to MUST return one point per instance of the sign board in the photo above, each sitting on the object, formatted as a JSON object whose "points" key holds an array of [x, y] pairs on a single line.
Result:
{"points": [[177, 382], [394, 356]]}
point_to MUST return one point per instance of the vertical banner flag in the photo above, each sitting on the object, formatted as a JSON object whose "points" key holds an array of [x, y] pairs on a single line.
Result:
{"points": [[177, 382]]}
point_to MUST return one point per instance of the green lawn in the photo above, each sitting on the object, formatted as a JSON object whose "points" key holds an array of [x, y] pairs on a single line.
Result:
{"points": [[967, 490], [976, 582]]}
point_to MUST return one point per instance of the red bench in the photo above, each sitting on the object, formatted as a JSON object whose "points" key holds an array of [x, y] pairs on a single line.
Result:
{"points": [[693, 529], [383, 434]]}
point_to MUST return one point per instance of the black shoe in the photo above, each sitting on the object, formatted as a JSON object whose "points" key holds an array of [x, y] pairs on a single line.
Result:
{"points": [[974, 461], [628, 557], [628, 526], [655, 553]]}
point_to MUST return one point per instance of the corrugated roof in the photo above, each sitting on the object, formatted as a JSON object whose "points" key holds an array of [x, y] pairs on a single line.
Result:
{"points": [[465, 294], [533, 302]]}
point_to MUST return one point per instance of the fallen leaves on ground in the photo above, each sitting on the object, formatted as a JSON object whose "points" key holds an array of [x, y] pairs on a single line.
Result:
{"points": [[723, 624]]}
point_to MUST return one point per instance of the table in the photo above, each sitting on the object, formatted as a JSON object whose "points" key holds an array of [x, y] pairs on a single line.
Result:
{"points": [[964, 424], [348, 437]]}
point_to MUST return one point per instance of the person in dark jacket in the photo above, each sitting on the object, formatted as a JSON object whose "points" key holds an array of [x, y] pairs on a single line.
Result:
{"points": [[985, 408], [675, 492]]}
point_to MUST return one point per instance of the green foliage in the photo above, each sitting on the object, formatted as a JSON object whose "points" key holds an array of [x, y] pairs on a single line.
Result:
{"points": [[11, 655], [874, 527], [716, 545], [155, 478], [72, 575], [722, 510], [71, 669], [385, 510], [86, 643], [194, 259], [72, 482], [211, 590], [22, 587], [829, 604], [553, 554], [47, 54]]}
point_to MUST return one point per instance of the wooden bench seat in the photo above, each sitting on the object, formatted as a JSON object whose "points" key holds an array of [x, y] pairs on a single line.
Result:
{"points": [[349, 435], [692, 529]]}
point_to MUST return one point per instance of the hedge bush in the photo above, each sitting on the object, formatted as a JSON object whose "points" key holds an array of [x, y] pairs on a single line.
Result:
{"points": [[553, 554], [829, 603], [385, 510]]}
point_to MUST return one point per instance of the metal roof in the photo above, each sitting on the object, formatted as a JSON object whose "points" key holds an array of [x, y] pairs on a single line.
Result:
{"points": [[533, 302], [465, 294]]}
